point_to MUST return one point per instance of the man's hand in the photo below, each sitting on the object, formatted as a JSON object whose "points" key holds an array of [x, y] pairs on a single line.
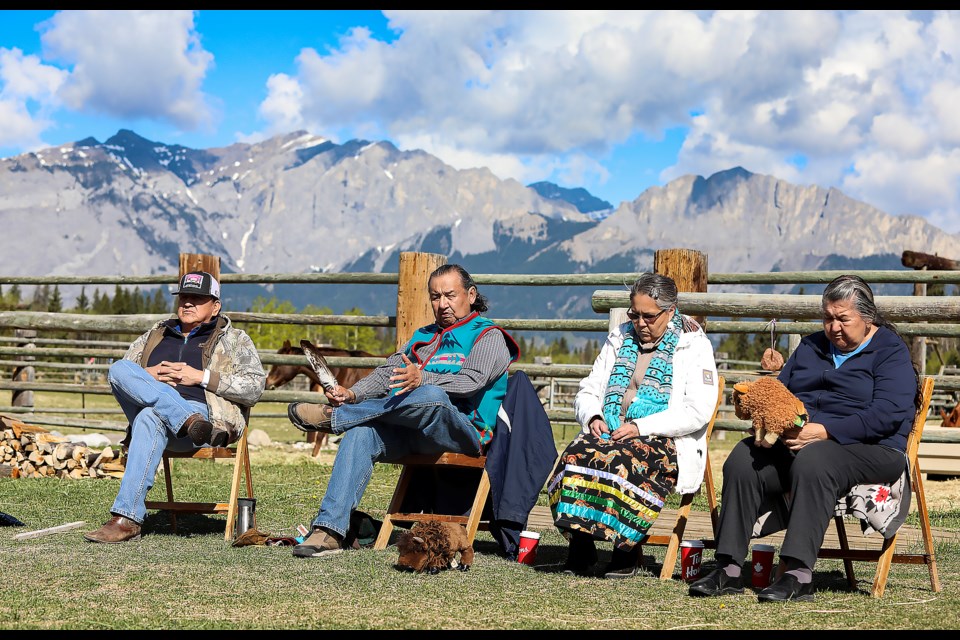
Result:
{"points": [[174, 373], [340, 395], [407, 378]]}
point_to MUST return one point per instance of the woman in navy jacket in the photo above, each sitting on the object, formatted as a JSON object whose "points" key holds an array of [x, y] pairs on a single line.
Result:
{"points": [[859, 387]]}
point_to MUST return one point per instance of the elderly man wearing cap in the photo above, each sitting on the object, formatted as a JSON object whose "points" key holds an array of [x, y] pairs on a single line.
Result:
{"points": [[187, 382]]}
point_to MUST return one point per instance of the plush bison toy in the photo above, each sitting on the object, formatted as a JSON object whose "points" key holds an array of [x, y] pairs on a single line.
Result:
{"points": [[770, 405], [433, 546]]}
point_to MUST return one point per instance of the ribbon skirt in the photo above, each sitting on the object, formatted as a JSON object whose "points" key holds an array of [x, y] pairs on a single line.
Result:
{"points": [[612, 491]]}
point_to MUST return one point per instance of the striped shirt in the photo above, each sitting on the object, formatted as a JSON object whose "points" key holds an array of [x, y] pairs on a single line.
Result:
{"points": [[487, 361]]}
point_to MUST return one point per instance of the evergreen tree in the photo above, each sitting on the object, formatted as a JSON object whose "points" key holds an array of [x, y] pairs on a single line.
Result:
{"points": [[55, 304], [83, 302], [161, 303], [14, 297], [102, 305], [41, 298], [136, 301], [120, 301]]}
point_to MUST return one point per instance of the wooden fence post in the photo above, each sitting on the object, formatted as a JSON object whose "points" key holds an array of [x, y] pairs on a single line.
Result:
{"points": [[200, 262], [687, 267], [26, 373], [918, 350], [413, 297]]}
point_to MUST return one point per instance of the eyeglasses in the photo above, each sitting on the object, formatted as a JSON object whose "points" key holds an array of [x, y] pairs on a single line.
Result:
{"points": [[648, 318]]}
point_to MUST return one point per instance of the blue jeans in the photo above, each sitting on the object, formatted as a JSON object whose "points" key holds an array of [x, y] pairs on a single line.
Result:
{"points": [[422, 421], [156, 412]]}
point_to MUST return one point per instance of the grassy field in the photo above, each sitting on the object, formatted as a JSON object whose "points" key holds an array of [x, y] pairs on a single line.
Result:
{"points": [[194, 580]]}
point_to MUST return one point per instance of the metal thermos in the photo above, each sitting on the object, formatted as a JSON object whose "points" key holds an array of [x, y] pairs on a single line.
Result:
{"points": [[246, 514]]}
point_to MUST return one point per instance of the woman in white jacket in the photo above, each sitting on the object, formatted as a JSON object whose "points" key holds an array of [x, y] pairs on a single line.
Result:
{"points": [[643, 410]]}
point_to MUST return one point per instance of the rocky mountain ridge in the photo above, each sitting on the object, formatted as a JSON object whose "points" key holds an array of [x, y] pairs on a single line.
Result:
{"points": [[298, 202]]}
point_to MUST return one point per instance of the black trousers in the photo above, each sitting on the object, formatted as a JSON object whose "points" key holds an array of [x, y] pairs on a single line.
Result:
{"points": [[815, 477]]}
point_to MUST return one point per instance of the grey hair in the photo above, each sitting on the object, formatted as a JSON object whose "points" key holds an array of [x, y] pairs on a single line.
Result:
{"points": [[856, 289], [661, 288]]}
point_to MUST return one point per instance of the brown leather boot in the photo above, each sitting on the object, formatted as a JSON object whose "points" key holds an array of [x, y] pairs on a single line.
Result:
{"points": [[118, 529], [202, 431], [311, 417]]}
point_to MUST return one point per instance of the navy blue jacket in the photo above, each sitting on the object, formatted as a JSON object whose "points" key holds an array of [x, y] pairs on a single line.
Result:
{"points": [[519, 459], [870, 399]]}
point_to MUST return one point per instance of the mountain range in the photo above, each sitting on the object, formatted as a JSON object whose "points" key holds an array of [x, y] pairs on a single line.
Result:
{"points": [[300, 203]]}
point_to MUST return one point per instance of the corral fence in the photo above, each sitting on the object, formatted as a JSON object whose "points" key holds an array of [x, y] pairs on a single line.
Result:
{"points": [[77, 365]]}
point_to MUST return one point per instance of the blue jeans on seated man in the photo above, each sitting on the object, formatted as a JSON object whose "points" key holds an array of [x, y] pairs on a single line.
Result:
{"points": [[423, 421], [156, 412]]}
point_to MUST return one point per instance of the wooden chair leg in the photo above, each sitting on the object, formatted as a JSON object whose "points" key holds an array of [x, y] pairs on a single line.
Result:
{"points": [[383, 538], [240, 464], [924, 514], [883, 566], [476, 511], [712, 498], [670, 557], [168, 481], [845, 547]]}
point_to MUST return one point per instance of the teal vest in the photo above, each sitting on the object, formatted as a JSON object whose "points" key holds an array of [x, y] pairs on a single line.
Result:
{"points": [[451, 347]]}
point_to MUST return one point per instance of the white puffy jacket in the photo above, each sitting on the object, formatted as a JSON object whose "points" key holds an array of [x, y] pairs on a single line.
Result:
{"points": [[691, 405]]}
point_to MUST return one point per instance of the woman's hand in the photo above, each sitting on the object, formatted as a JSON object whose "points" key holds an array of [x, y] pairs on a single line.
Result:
{"points": [[626, 431], [408, 378], [598, 426], [797, 438]]}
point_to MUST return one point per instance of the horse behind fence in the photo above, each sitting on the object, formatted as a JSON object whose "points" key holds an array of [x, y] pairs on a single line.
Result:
{"points": [[281, 374]]}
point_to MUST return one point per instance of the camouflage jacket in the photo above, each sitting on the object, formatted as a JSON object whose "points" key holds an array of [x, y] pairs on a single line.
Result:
{"points": [[236, 374]]}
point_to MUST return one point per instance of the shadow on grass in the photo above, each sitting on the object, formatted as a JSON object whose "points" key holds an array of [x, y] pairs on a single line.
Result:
{"points": [[188, 524]]}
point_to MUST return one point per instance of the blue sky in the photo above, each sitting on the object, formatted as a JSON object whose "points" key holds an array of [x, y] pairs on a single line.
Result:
{"points": [[613, 101]]}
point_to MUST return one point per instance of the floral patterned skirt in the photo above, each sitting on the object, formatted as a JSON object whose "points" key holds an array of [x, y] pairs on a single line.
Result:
{"points": [[612, 491]]}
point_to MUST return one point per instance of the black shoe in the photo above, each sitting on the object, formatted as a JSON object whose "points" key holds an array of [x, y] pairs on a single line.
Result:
{"points": [[716, 583], [787, 588], [581, 557], [623, 564]]}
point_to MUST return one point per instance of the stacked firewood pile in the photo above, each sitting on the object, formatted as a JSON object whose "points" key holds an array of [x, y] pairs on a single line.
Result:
{"points": [[29, 451]]}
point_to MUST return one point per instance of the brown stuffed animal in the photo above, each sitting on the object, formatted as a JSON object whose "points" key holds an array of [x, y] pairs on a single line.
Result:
{"points": [[433, 546], [770, 405]]}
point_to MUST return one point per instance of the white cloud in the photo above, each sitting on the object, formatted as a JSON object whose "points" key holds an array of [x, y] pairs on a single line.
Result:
{"points": [[282, 108], [132, 64], [25, 81], [911, 186], [802, 95]]}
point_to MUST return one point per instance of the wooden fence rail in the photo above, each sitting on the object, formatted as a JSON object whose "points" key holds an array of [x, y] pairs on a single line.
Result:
{"points": [[917, 317]]}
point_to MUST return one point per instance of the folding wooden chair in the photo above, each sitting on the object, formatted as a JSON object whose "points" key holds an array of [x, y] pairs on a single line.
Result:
{"points": [[241, 465], [888, 553], [238, 451], [672, 541], [411, 463]]}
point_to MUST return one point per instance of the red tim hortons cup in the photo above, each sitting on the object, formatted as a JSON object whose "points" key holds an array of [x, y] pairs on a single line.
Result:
{"points": [[691, 555], [527, 552], [762, 563]]}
